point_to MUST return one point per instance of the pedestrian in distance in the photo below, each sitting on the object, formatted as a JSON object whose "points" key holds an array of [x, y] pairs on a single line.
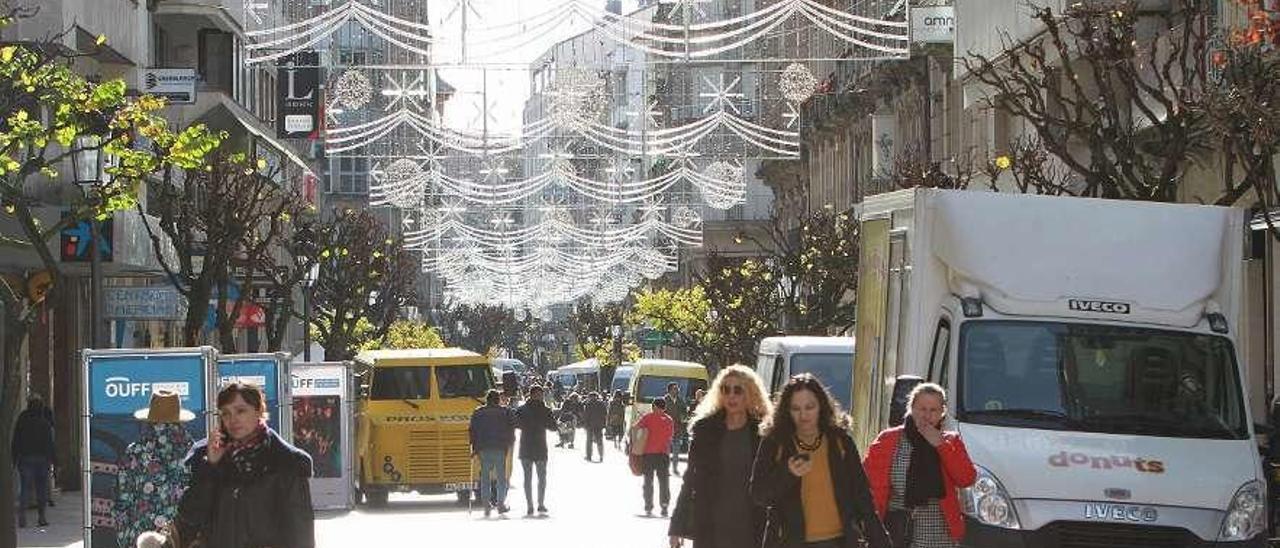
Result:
{"points": [[659, 429], [807, 474], [249, 488], [570, 412], [678, 410], [594, 415], [33, 452], [534, 419], [492, 434], [915, 470], [617, 419], [714, 507]]}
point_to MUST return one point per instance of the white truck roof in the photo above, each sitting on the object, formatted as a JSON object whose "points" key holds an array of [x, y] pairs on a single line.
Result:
{"points": [[793, 344], [1029, 254]]}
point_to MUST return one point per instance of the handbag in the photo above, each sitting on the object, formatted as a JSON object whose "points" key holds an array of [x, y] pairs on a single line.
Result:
{"points": [[898, 524]]}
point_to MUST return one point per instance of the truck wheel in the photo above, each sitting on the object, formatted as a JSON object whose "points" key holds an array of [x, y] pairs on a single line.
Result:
{"points": [[463, 496], [377, 499]]}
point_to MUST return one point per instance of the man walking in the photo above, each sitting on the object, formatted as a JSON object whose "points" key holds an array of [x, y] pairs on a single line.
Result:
{"points": [[32, 448], [492, 433], [594, 415], [659, 428], [677, 409], [534, 420]]}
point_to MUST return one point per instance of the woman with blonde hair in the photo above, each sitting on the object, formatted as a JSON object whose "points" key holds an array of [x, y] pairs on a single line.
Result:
{"points": [[725, 434], [915, 470]]}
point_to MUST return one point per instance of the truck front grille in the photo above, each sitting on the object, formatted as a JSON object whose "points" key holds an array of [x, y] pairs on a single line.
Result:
{"points": [[439, 456], [1108, 535]]}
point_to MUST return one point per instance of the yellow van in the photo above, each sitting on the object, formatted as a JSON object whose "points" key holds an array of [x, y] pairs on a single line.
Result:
{"points": [[414, 411], [649, 379]]}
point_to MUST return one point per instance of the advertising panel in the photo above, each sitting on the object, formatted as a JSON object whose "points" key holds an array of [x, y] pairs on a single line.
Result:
{"points": [[299, 95], [322, 419], [178, 85], [118, 383], [265, 371]]}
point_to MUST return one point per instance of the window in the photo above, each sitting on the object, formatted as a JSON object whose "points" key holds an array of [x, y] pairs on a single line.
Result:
{"points": [[654, 387], [1100, 378], [939, 359], [401, 383], [834, 370], [779, 375], [471, 381]]}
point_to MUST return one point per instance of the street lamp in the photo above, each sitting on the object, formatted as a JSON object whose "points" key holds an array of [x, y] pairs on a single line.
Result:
{"points": [[87, 164], [308, 286]]}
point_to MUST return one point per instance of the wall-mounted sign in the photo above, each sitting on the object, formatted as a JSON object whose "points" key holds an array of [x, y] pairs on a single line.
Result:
{"points": [[76, 239], [298, 85], [143, 303], [178, 85], [933, 24]]}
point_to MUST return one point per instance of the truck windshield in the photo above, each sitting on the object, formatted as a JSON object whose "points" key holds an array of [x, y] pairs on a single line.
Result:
{"points": [[1100, 378], [401, 383], [834, 370], [468, 381]]}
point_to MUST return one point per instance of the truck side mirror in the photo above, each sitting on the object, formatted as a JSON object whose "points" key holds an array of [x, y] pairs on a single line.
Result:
{"points": [[902, 388]]}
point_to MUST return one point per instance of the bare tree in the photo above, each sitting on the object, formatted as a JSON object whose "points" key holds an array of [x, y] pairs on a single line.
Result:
{"points": [[1112, 91]]}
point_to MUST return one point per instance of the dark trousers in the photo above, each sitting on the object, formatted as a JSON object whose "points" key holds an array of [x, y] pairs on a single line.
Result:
{"points": [[529, 466], [656, 464], [34, 472], [595, 436]]}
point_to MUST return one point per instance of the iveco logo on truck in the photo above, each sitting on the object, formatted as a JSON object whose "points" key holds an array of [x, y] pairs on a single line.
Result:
{"points": [[1105, 307], [1120, 512]]}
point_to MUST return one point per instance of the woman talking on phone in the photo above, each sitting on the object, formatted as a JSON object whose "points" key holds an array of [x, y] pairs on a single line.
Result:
{"points": [[807, 473], [249, 487], [915, 470]]}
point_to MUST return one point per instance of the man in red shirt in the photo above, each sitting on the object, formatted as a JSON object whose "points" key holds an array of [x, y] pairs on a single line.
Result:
{"points": [[657, 461]]}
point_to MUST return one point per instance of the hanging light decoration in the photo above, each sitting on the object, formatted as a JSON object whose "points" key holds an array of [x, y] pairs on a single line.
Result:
{"points": [[352, 90], [797, 83], [578, 98], [685, 217]]}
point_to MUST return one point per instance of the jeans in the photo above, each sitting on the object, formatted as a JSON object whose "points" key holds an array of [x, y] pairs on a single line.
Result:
{"points": [[677, 442], [595, 436], [34, 472], [493, 467], [655, 464], [528, 466]]}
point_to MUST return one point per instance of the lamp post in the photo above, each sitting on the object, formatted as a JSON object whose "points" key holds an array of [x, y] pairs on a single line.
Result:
{"points": [[308, 286], [87, 163]]}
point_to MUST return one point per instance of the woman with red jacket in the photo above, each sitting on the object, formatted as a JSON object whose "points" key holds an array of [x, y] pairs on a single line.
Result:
{"points": [[914, 471]]}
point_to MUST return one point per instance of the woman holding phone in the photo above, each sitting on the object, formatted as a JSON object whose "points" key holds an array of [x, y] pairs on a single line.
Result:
{"points": [[807, 473], [249, 488], [915, 470]]}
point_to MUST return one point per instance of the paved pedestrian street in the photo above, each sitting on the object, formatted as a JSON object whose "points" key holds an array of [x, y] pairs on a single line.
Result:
{"points": [[591, 505]]}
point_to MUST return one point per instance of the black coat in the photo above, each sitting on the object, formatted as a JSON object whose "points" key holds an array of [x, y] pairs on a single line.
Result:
{"points": [[32, 436], [776, 488], [691, 518], [534, 419], [234, 510], [492, 427], [594, 414]]}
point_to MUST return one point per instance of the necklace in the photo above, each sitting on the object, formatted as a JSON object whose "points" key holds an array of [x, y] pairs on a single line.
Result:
{"points": [[817, 442]]}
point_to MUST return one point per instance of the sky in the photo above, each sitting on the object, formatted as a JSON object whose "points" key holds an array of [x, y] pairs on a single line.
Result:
{"points": [[507, 73]]}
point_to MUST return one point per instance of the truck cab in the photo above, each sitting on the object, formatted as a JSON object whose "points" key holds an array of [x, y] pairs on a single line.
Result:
{"points": [[1088, 350], [412, 426]]}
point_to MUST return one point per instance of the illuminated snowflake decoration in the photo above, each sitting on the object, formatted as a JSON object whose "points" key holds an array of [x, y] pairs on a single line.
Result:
{"points": [[352, 90], [797, 83], [578, 98]]}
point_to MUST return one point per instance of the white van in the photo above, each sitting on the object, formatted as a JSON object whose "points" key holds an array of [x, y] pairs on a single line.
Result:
{"points": [[830, 359], [1089, 348]]}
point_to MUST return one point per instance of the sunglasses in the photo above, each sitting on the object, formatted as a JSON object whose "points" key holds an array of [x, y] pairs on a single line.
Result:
{"points": [[735, 389]]}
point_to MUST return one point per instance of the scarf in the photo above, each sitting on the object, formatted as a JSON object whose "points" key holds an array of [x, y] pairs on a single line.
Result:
{"points": [[924, 473], [244, 453]]}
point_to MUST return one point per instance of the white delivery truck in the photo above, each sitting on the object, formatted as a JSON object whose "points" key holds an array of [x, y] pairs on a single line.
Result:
{"points": [[1089, 350]]}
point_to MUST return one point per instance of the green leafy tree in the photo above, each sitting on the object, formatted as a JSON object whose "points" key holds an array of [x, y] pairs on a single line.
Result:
{"points": [[45, 107], [365, 278], [815, 268], [406, 334], [480, 328]]}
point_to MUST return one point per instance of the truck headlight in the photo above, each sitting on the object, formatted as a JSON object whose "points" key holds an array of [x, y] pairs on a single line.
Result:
{"points": [[988, 502], [1246, 516]]}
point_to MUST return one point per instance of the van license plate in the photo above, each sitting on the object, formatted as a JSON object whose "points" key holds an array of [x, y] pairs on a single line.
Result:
{"points": [[1120, 512], [459, 486]]}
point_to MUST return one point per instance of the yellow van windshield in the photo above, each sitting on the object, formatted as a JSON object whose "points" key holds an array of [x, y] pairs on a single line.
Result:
{"points": [[401, 383], [468, 381]]}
